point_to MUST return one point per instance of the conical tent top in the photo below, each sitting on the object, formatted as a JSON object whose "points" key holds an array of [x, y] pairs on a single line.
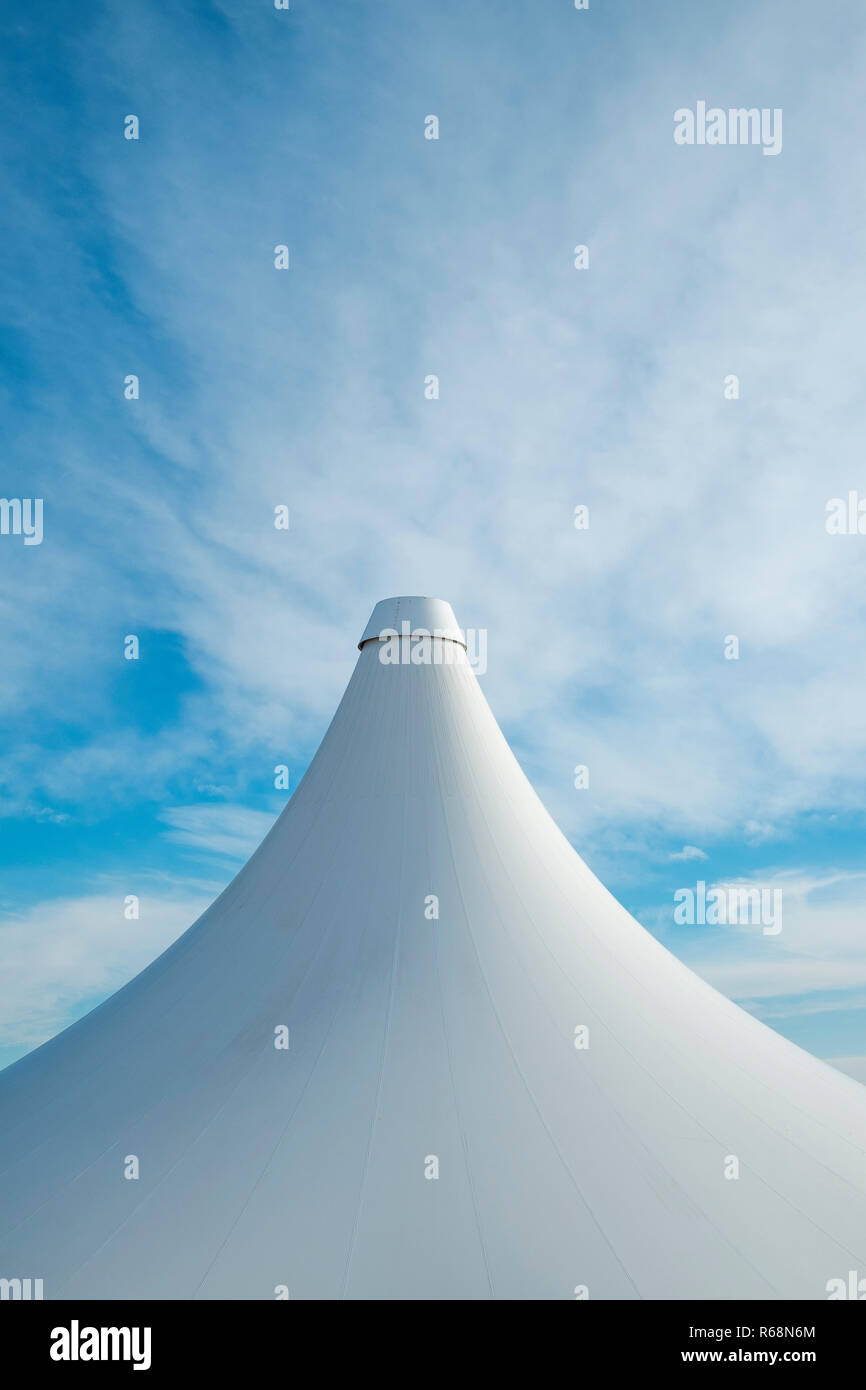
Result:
{"points": [[412, 615]]}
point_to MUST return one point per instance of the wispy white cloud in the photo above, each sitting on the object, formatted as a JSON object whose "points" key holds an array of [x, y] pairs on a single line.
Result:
{"points": [[227, 830], [758, 832], [64, 955], [821, 948]]}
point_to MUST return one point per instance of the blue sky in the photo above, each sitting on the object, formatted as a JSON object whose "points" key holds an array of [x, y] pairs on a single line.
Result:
{"points": [[557, 387]]}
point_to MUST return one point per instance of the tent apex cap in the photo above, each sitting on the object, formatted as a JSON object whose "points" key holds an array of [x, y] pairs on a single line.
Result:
{"points": [[411, 614]]}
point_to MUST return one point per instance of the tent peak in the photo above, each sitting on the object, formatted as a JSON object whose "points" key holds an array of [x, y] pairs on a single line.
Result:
{"points": [[408, 615]]}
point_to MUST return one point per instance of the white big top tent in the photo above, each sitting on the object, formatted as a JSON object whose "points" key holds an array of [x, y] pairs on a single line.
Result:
{"points": [[431, 948]]}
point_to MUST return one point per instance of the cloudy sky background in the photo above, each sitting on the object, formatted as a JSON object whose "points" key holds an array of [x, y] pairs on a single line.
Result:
{"points": [[558, 387]]}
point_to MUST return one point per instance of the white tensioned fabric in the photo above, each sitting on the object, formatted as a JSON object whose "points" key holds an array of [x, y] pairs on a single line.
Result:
{"points": [[415, 1038]]}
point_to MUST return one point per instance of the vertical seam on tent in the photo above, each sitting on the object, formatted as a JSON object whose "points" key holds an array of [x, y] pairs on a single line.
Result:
{"points": [[337, 1010], [461, 1129], [382, 1060], [458, 1112]]}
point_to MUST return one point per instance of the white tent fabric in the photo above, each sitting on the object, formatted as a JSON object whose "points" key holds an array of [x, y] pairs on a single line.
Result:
{"points": [[420, 1044]]}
